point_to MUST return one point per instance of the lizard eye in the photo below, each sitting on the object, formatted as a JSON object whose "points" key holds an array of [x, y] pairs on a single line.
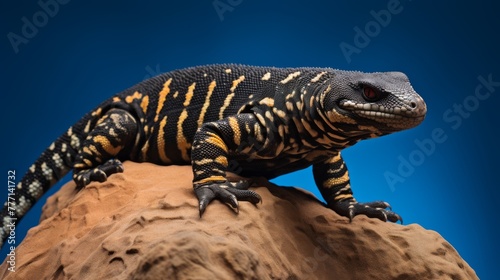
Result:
{"points": [[370, 94]]}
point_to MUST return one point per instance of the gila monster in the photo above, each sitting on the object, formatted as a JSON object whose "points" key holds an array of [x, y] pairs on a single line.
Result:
{"points": [[266, 121]]}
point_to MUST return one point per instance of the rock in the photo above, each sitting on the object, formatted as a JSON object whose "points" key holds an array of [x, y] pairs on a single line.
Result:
{"points": [[144, 224]]}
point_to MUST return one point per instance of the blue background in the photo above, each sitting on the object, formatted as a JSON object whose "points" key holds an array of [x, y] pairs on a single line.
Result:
{"points": [[89, 50]]}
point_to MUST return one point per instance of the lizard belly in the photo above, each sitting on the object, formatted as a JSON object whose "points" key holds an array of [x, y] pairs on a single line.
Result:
{"points": [[280, 165]]}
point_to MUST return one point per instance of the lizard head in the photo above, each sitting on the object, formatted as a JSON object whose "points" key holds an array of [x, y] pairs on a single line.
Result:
{"points": [[372, 103]]}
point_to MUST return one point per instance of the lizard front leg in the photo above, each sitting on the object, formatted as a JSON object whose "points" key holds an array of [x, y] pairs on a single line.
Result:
{"points": [[212, 144], [332, 179]]}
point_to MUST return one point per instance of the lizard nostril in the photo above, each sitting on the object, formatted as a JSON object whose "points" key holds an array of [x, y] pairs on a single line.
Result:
{"points": [[413, 104]]}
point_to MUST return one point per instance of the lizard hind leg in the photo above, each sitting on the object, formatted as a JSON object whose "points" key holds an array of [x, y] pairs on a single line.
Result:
{"points": [[114, 133]]}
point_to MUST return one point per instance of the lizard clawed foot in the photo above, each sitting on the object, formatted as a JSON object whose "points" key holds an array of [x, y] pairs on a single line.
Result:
{"points": [[225, 192], [376, 209], [99, 174]]}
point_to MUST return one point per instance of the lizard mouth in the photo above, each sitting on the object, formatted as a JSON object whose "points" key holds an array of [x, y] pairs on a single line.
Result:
{"points": [[371, 110], [395, 117]]}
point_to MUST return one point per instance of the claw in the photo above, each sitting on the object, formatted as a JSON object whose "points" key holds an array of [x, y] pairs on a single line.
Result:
{"points": [[205, 196], [97, 174], [231, 200], [376, 209], [203, 206], [395, 218], [226, 193], [385, 216]]}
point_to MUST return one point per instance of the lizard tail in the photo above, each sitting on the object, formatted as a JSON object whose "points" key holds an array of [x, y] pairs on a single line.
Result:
{"points": [[53, 164]]}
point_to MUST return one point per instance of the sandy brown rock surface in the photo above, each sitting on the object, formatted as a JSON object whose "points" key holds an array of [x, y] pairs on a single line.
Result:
{"points": [[144, 224]]}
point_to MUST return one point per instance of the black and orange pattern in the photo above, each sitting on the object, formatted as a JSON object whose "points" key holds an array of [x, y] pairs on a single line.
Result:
{"points": [[266, 121]]}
